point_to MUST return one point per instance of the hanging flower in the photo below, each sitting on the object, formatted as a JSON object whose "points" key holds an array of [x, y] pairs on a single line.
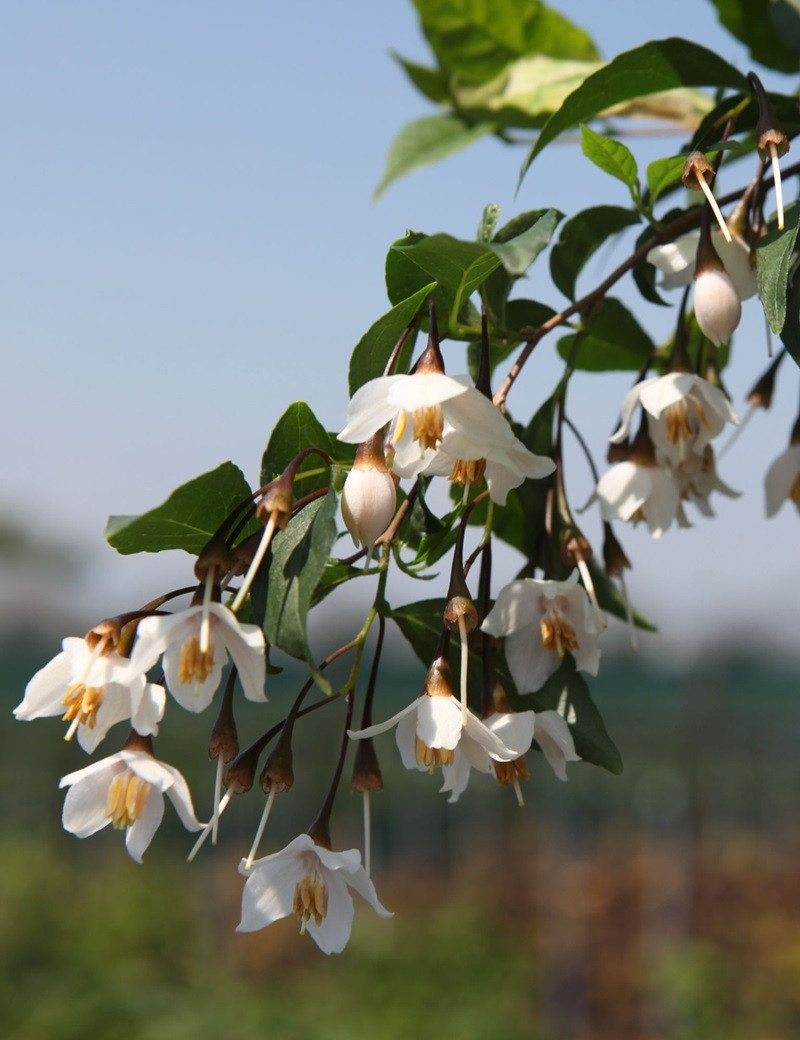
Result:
{"points": [[717, 305], [782, 481], [697, 477], [313, 883], [684, 413], [193, 672], [517, 729], [676, 261], [126, 790], [543, 620], [93, 687], [431, 727], [633, 491]]}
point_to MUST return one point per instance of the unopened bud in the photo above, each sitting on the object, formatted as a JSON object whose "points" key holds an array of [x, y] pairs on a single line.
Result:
{"points": [[717, 306], [278, 771], [366, 770], [575, 548], [614, 558], [369, 496]]}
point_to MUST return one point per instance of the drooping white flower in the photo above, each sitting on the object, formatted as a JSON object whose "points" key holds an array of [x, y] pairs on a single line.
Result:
{"points": [[697, 478], [127, 790], [93, 687], [488, 450], [369, 496], [684, 412], [313, 883], [782, 481], [632, 491], [431, 727], [193, 672], [676, 260], [516, 729], [717, 305], [542, 620]]}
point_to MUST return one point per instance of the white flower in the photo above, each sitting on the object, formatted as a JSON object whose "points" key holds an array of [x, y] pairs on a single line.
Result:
{"points": [[541, 621], [697, 477], [782, 481], [684, 413], [488, 448], [431, 727], [717, 306], [312, 882], [126, 790], [93, 687], [676, 260], [193, 674], [629, 491], [517, 730]]}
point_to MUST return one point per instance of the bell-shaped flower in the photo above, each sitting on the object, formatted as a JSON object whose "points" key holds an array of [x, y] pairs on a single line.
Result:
{"points": [[541, 621], [369, 496], [93, 687], [684, 412], [697, 478], [782, 481], [633, 491], [515, 729], [487, 449], [192, 670], [431, 727], [126, 790], [676, 261], [313, 883]]}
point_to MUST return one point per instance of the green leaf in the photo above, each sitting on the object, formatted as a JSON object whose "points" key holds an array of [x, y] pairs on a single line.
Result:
{"points": [[568, 693], [785, 17], [763, 27], [773, 264], [372, 351], [187, 519], [432, 83], [611, 339], [523, 239], [422, 624], [298, 428], [458, 267], [611, 156], [666, 174], [428, 140], [790, 334], [299, 556], [653, 67], [579, 239], [475, 39]]}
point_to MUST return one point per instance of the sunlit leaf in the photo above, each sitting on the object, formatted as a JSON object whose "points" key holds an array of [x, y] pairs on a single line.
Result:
{"points": [[611, 156], [579, 239], [371, 353], [774, 258]]}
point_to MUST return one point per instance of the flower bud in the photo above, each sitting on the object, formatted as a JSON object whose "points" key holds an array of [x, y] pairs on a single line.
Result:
{"points": [[717, 306], [369, 496]]}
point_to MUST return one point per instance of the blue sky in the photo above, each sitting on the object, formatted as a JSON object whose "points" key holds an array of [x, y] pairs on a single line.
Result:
{"points": [[190, 245]]}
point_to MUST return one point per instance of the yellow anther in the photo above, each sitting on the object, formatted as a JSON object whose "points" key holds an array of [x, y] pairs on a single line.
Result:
{"points": [[468, 471], [557, 633], [431, 757], [194, 665], [126, 799], [310, 900], [428, 426], [82, 703]]}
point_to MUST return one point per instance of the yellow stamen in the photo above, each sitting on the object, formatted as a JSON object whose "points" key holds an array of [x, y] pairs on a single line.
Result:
{"points": [[126, 799], [310, 900], [557, 633], [195, 665], [509, 773], [431, 757], [469, 471], [400, 424], [82, 704], [428, 426]]}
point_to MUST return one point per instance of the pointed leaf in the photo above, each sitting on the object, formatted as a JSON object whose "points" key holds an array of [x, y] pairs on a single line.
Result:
{"points": [[373, 350], [611, 156], [774, 258], [299, 556], [297, 429], [428, 140], [763, 26], [579, 239], [422, 624], [432, 83], [458, 267], [518, 251], [653, 67], [187, 519], [611, 340]]}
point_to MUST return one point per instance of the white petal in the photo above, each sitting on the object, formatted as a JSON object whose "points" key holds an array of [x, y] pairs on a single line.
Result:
{"points": [[424, 391], [515, 729], [148, 708], [115, 707], [531, 663], [268, 894], [369, 409], [84, 811], [245, 644], [406, 738], [623, 490], [332, 934], [553, 736], [382, 727], [676, 259], [717, 306], [516, 607], [456, 776], [439, 722], [194, 696], [140, 833], [780, 478]]}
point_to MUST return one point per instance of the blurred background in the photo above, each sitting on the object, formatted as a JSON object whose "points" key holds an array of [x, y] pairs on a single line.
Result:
{"points": [[190, 245]]}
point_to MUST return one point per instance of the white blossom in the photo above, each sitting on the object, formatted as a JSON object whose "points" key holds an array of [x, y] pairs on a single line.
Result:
{"points": [[127, 790], [93, 687], [542, 620], [193, 673], [782, 481], [676, 261], [717, 306], [312, 882], [630, 491]]}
